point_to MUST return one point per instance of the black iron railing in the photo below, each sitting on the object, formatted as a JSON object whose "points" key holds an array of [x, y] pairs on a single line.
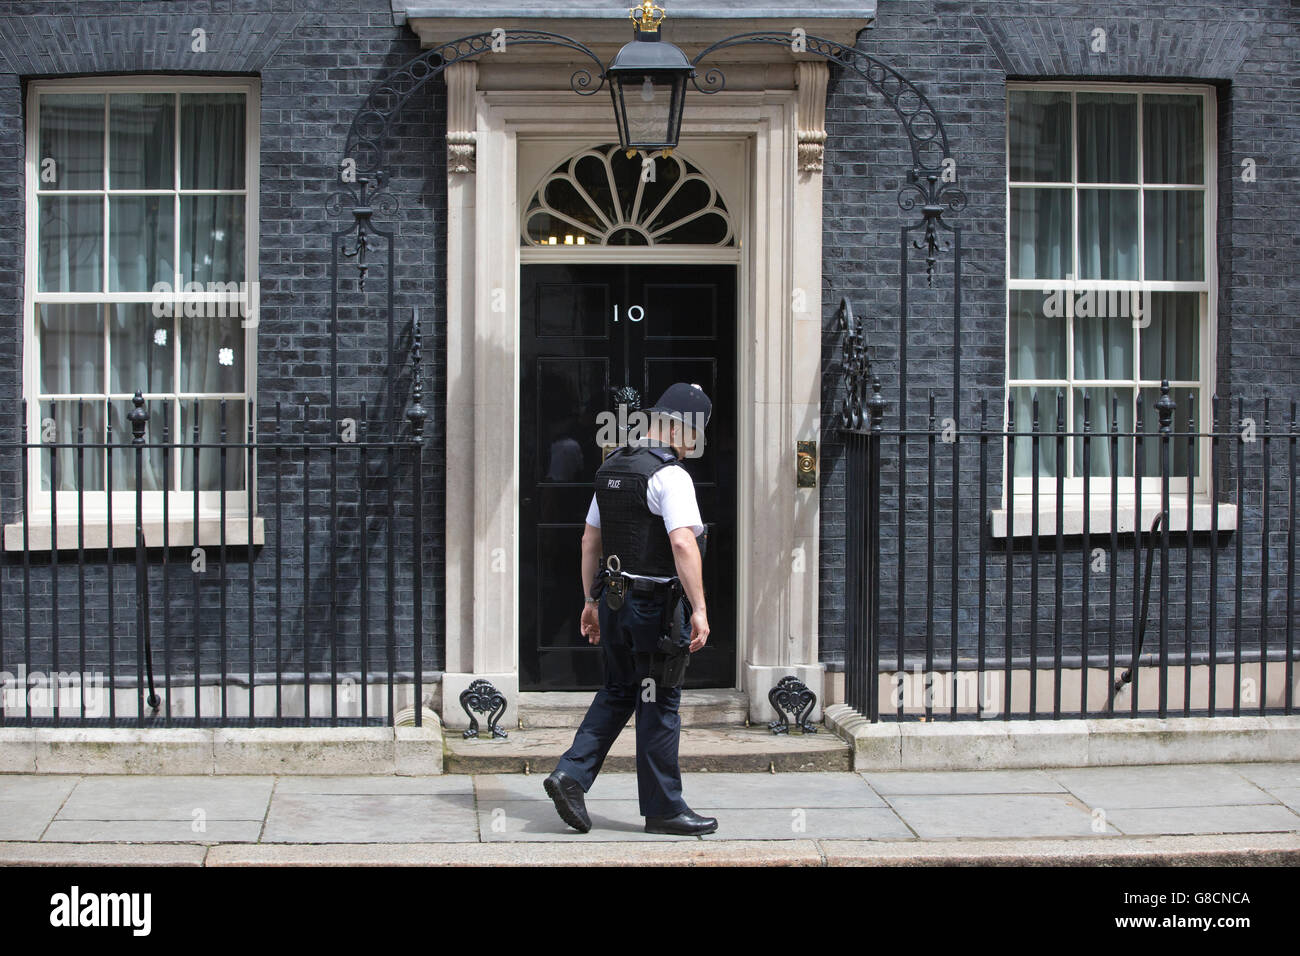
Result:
{"points": [[1090, 595], [284, 587]]}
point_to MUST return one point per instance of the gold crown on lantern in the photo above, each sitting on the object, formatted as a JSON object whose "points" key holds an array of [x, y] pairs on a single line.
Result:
{"points": [[648, 16]]}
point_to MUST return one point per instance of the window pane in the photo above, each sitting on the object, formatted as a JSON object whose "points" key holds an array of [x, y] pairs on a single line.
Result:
{"points": [[72, 141], [543, 226], [72, 349], [565, 199], [1175, 242], [141, 140], [212, 355], [1151, 450], [1103, 343], [1039, 136], [1037, 341], [212, 141], [71, 243], [1046, 427], [1106, 408], [1040, 233], [1108, 234], [212, 239], [140, 349], [70, 468], [1107, 137], [208, 415], [152, 474], [141, 236], [1173, 144], [1171, 342]]}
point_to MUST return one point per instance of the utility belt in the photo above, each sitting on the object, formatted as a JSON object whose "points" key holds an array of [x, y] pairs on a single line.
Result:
{"points": [[672, 657], [618, 584]]}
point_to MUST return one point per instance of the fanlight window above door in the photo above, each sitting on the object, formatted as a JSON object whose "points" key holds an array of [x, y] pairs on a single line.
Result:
{"points": [[601, 197]]}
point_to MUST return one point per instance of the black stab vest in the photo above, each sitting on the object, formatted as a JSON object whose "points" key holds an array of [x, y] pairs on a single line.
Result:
{"points": [[628, 528]]}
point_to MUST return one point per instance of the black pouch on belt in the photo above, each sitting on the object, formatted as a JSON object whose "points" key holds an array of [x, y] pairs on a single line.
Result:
{"points": [[674, 654]]}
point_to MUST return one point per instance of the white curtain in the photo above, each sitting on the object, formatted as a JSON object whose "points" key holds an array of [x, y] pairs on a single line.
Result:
{"points": [[1042, 240], [142, 251]]}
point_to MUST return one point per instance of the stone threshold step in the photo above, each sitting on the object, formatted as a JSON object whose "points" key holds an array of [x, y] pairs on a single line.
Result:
{"points": [[698, 708], [702, 749]]}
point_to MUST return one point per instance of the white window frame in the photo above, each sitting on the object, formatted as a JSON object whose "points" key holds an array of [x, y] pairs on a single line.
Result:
{"points": [[180, 504], [1099, 493]]}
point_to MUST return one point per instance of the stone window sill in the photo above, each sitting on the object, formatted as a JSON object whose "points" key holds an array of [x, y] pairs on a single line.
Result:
{"points": [[1099, 522], [180, 532]]}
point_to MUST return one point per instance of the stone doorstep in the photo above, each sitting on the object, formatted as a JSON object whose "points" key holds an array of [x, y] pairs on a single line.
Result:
{"points": [[715, 749], [699, 708], [998, 745]]}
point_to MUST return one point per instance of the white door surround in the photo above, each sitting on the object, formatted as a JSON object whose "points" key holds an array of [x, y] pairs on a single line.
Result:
{"points": [[501, 142]]}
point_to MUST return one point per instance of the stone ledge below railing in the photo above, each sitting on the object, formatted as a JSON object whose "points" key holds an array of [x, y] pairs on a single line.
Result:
{"points": [[1012, 744], [403, 751]]}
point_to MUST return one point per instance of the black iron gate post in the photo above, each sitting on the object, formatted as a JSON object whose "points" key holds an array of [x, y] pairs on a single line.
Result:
{"points": [[416, 415]]}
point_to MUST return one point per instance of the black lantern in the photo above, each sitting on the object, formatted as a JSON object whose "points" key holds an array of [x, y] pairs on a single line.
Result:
{"points": [[648, 82]]}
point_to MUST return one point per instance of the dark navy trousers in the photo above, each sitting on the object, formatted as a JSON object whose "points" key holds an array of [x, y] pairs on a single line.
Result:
{"points": [[628, 637]]}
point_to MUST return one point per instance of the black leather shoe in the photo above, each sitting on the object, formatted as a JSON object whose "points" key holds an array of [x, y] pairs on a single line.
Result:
{"points": [[686, 823], [569, 803]]}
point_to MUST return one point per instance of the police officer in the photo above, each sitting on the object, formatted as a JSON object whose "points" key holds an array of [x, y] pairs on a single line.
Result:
{"points": [[640, 549]]}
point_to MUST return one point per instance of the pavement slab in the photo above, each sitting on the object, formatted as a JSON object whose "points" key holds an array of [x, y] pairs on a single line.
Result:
{"points": [[962, 781], [28, 803], [370, 818], [1112, 788], [531, 820], [494, 787], [152, 831], [792, 790], [25, 819], [839, 823], [30, 786], [1270, 776], [1000, 815], [1289, 796], [168, 798], [1252, 818], [453, 783]]}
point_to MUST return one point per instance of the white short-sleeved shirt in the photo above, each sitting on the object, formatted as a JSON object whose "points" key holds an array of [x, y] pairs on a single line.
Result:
{"points": [[671, 494]]}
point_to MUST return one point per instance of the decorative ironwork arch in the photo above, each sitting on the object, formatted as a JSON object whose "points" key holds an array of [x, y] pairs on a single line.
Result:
{"points": [[932, 187], [364, 178], [384, 104], [364, 175], [933, 183]]}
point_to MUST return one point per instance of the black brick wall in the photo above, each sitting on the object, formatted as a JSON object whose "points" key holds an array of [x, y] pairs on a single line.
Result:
{"points": [[316, 61], [961, 55], [317, 58]]}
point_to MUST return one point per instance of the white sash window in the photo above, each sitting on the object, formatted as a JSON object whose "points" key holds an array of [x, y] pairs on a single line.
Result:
{"points": [[141, 276], [1110, 259]]}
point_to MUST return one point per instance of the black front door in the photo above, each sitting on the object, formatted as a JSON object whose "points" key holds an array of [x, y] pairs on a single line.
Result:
{"points": [[586, 332]]}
